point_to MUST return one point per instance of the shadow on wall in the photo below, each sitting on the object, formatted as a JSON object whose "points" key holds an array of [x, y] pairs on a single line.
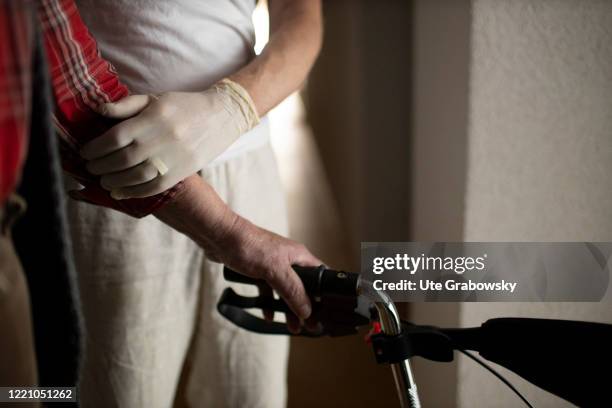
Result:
{"points": [[388, 105], [387, 102], [335, 368]]}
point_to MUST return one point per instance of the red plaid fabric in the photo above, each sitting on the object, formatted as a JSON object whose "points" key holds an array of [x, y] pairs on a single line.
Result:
{"points": [[15, 91], [81, 80]]}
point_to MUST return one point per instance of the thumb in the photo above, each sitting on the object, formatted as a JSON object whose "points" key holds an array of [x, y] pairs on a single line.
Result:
{"points": [[124, 108]]}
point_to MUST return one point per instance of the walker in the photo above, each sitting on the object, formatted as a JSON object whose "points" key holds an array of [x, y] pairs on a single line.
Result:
{"points": [[566, 358]]}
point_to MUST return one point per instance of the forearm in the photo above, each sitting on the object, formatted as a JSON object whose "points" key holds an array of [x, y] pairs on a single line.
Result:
{"points": [[198, 212], [295, 41]]}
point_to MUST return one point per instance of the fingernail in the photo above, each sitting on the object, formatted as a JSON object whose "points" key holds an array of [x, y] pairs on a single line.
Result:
{"points": [[305, 311]]}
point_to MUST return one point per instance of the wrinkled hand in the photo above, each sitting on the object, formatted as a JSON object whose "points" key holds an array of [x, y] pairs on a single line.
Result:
{"points": [[262, 254], [167, 138]]}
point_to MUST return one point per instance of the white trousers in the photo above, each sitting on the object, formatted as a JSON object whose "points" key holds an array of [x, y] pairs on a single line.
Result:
{"points": [[153, 335]]}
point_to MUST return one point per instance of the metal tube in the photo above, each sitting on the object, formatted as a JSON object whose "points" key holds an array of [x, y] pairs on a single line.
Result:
{"points": [[391, 324]]}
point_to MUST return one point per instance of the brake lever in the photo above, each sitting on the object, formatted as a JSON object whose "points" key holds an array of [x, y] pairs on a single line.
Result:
{"points": [[334, 296]]}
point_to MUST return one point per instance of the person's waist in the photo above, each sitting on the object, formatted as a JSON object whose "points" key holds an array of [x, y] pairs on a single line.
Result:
{"points": [[251, 140]]}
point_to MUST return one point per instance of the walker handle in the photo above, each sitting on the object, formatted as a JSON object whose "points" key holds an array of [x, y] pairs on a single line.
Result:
{"points": [[317, 280], [333, 295]]}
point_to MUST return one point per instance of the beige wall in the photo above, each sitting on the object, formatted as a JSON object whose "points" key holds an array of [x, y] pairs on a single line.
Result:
{"points": [[358, 105], [540, 149], [357, 101], [505, 111], [441, 31]]}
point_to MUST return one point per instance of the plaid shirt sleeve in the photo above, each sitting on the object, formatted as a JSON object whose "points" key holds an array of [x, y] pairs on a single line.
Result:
{"points": [[16, 39], [81, 80]]}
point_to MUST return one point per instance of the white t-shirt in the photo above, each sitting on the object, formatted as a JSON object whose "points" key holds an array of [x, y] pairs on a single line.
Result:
{"points": [[176, 45]]}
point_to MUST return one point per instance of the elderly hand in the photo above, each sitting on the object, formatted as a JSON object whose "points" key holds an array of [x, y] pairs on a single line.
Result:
{"points": [[198, 212], [261, 254], [167, 137]]}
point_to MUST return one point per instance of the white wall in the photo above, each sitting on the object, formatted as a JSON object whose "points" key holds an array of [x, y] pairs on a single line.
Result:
{"points": [[539, 151]]}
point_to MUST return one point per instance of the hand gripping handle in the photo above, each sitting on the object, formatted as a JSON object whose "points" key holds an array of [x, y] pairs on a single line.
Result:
{"points": [[317, 280], [333, 295]]}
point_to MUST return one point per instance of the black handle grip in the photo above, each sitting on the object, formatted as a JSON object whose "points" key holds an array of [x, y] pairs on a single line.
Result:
{"points": [[317, 280], [571, 359], [333, 295]]}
